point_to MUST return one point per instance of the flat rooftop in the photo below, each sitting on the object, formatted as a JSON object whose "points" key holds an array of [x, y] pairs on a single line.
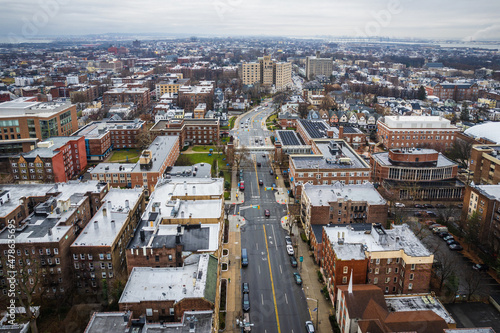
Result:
{"points": [[167, 284], [315, 129], [322, 195], [107, 322], [491, 191], [356, 242], [47, 152], [289, 138], [101, 231], [418, 303], [97, 129], [18, 191], [29, 109], [343, 158], [203, 170], [421, 122], [442, 161]]}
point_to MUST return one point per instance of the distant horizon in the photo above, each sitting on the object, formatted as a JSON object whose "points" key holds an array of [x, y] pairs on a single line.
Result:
{"points": [[458, 20]]}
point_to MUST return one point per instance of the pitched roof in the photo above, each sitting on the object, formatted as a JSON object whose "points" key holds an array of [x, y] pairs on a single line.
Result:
{"points": [[357, 301]]}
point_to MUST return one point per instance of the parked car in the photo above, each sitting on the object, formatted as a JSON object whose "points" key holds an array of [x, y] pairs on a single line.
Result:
{"points": [[297, 278], [259, 164], [428, 206], [245, 288], [432, 226], [417, 214], [309, 327], [293, 261], [418, 206], [261, 182], [460, 205], [455, 247], [430, 213], [271, 172], [267, 213], [443, 234], [245, 302], [440, 205], [451, 241], [430, 222], [289, 250], [480, 267], [448, 237], [242, 185], [288, 240], [399, 205]]}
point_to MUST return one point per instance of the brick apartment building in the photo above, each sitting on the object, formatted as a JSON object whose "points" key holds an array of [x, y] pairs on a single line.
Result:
{"points": [[341, 204], [170, 85], [44, 237], [485, 164], [395, 259], [141, 97], [192, 287], [158, 243], [57, 159], [82, 92], [484, 201], [101, 137], [332, 161], [98, 253], [190, 131], [190, 96], [417, 174], [416, 132], [24, 123], [456, 91], [152, 164]]}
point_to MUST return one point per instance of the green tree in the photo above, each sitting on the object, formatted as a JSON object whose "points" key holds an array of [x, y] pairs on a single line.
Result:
{"points": [[421, 93], [464, 114]]}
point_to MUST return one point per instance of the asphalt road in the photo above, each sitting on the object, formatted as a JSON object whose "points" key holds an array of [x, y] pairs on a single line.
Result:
{"points": [[252, 127], [277, 303]]}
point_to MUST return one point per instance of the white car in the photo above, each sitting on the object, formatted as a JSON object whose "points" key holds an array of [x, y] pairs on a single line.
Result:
{"points": [[289, 250], [399, 205]]}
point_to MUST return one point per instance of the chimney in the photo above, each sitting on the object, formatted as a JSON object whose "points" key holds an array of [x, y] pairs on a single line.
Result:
{"points": [[194, 190], [143, 235], [341, 132], [179, 228], [127, 205], [109, 207], [113, 224], [182, 214], [95, 225], [104, 212], [50, 231], [177, 239]]}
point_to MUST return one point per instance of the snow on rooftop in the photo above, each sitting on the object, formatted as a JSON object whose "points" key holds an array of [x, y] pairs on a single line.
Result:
{"points": [[418, 122], [491, 191], [170, 283], [351, 244], [490, 131], [101, 231], [418, 303], [322, 195]]}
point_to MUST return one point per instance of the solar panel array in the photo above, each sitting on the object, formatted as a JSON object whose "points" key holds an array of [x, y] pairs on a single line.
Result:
{"points": [[315, 129], [289, 138], [350, 130]]}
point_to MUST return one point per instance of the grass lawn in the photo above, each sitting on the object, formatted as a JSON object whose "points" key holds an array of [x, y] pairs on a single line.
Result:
{"points": [[121, 155], [272, 118], [204, 158], [203, 148], [231, 122]]}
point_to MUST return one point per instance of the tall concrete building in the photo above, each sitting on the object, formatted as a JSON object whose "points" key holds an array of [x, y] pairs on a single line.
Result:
{"points": [[318, 66], [267, 72]]}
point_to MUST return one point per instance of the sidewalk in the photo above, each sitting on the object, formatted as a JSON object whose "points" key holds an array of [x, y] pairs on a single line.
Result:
{"points": [[312, 287], [232, 275]]}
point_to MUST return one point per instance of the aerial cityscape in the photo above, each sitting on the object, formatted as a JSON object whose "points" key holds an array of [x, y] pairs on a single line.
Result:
{"points": [[229, 166]]}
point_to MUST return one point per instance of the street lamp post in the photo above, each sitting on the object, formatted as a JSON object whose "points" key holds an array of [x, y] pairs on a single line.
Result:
{"points": [[317, 312]]}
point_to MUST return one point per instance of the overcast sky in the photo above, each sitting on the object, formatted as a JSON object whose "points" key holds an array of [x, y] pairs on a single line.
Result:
{"points": [[438, 19]]}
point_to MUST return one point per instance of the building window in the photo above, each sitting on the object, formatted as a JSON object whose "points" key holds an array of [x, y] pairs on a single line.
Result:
{"points": [[410, 286], [376, 270], [375, 280], [346, 269], [411, 276], [344, 279], [412, 267]]}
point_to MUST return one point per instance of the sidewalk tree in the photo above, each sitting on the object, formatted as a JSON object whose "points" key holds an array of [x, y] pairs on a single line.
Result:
{"points": [[464, 113], [472, 229], [445, 267], [144, 139], [473, 283], [241, 157]]}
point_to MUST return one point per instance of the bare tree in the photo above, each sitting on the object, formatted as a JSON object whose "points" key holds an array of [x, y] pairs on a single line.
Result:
{"points": [[144, 139], [473, 283], [460, 152], [445, 267], [241, 157]]}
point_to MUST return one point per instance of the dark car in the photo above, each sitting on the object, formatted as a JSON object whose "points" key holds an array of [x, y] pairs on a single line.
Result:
{"points": [[245, 302], [245, 288], [297, 278], [271, 172], [293, 261], [288, 240], [440, 206], [451, 241], [430, 213], [448, 237], [455, 247], [261, 182], [258, 164], [418, 206], [428, 206], [480, 267], [443, 234], [267, 213], [264, 155], [417, 214]]}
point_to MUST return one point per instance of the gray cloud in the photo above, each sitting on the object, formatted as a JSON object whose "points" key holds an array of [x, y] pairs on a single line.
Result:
{"points": [[428, 19]]}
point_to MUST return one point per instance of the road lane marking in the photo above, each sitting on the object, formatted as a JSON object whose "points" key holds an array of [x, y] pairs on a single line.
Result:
{"points": [[257, 245], [258, 268], [275, 241], [262, 298], [286, 299], [281, 270], [272, 282], [256, 173]]}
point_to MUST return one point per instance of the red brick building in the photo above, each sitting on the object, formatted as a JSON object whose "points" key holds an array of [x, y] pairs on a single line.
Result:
{"points": [[417, 174], [485, 164], [190, 131], [191, 287], [416, 132], [58, 160], [394, 259], [190, 96], [141, 97], [456, 91]]}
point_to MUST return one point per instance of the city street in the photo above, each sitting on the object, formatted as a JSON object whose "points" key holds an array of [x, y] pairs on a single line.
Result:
{"points": [[277, 302]]}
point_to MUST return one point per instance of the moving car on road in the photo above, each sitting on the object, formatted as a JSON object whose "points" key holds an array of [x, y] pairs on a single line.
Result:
{"points": [[261, 182]]}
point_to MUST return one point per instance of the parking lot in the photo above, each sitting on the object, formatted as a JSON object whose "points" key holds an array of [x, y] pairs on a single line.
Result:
{"points": [[468, 315]]}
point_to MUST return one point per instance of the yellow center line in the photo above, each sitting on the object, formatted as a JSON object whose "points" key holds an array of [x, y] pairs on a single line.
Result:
{"points": [[272, 283]]}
